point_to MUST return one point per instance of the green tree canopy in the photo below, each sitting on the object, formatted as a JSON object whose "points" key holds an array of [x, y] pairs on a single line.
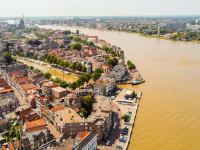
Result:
{"points": [[76, 46], [87, 104], [84, 69], [66, 32], [133, 93], [112, 61], [8, 57], [57, 80], [31, 67], [63, 84], [47, 75], [98, 70], [73, 86], [77, 31], [125, 117]]}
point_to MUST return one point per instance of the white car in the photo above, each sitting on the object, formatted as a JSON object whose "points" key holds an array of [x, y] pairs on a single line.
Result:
{"points": [[108, 143], [115, 124]]}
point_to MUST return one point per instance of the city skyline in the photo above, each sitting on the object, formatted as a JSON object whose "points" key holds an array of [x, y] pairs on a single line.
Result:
{"points": [[99, 8]]}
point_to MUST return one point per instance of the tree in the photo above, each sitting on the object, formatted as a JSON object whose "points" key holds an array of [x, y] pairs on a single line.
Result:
{"points": [[130, 65], [112, 62], [105, 48], [31, 67], [96, 76], [74, 65], [84, 112], [57, 80], [48, 32], [125, 117], [80, 81], [84, 69], [66, 32], [73, 86], [7, 57], [133, 93], [30, 42], [63, 84], [66, 64], [98, 70], [47, 75], [79, 66], [87, 104], [62, 46], [87, 76], [76, 46], [77, 31]]}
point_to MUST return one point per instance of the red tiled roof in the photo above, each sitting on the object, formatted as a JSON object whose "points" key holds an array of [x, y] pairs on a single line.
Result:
{"points": [[37, 128], [31, 97], [57, 108], [49, 98], [36, 123], [76, 109], [25, 112], [97, 81]]}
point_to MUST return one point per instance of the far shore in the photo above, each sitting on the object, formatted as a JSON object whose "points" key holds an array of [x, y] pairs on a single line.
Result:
{"points": [[149, 36]]}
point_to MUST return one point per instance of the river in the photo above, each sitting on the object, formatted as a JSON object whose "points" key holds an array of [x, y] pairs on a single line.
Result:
{"points": [[169, 111], [54, 71]]}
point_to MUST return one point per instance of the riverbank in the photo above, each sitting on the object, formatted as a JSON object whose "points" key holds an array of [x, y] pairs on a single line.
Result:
{"points": [[149, 36], [163, 63]]}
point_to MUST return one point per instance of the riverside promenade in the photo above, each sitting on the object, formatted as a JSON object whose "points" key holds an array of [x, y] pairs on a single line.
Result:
{"points": [[123, 110]]}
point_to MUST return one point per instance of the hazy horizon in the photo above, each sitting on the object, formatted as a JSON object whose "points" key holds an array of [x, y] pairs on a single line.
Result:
{"points": [[60, 8]]}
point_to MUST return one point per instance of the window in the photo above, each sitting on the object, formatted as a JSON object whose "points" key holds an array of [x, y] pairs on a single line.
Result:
{"points": [[86, 128], [81, 129], [81, 124], [73, 128], [86, 124]]}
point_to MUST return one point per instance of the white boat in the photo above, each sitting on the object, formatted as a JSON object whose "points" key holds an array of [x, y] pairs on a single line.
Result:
{"points": [[49, 66], [65, 72]]}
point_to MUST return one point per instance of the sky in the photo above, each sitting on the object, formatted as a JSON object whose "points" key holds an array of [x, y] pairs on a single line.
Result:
{"points": [[16, 8]]}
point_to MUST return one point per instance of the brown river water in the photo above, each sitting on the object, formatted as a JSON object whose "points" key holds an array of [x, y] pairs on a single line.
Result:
{"points": [[170, 106]]}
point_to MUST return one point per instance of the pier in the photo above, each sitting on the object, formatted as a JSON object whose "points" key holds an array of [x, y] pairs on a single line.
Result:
{"points": [[130, 124]]}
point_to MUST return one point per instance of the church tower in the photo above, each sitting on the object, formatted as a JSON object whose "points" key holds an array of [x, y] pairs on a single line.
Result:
{"points": [[158, 34]]}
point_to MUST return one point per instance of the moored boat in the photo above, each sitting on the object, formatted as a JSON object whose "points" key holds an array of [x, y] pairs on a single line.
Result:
{"points": [[135, 82]]}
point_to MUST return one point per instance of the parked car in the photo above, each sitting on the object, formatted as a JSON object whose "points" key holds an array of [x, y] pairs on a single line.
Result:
{"points": [[113, 127], [122, 139], [115, 124], [108, 143], [125, 133], [118, 146], [118, 109], [124, 129]]}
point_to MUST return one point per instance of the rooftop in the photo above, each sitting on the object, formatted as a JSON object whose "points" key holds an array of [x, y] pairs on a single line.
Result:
{"points": [[59, 89], [69, 116], [36, 123]]}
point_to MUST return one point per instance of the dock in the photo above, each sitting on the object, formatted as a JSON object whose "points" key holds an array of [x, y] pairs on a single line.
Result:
{"points": [[124, 109]]}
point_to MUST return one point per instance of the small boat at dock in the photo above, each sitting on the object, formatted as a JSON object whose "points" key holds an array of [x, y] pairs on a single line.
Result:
{"points": [[135, 82]]}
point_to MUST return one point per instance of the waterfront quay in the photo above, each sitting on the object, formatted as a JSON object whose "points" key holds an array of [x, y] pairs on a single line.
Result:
{"points": [[122, 109]]}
